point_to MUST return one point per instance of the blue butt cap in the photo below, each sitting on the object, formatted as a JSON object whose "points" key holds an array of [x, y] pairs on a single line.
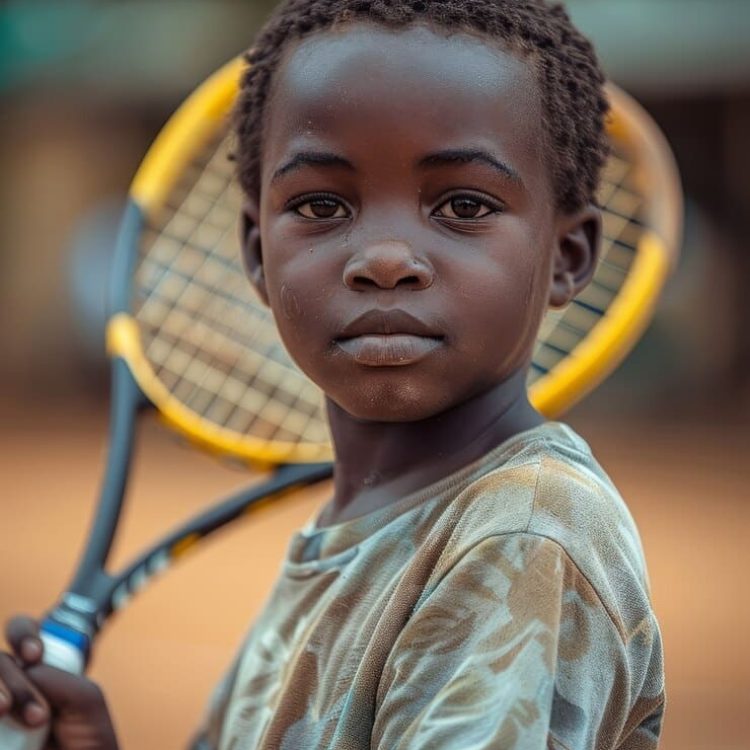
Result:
{"points": [[79, 640]]}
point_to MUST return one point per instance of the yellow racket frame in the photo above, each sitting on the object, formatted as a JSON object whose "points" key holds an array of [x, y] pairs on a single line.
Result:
{"points": [[204, 112]]}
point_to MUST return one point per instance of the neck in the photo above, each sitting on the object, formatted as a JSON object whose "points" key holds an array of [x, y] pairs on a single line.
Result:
{"points": [[379, 462]]}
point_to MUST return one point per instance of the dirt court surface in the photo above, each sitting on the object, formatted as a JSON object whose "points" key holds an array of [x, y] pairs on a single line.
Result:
{"points": [[687, 486]]}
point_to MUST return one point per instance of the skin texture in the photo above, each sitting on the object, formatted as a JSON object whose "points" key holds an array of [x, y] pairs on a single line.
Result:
{"points": [[407, 241]]}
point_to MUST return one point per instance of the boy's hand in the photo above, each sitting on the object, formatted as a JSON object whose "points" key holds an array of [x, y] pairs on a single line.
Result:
{"points": [[35, 694]]}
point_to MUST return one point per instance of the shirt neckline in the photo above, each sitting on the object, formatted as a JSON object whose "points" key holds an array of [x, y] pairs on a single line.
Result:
{"points": [[315, 549]]}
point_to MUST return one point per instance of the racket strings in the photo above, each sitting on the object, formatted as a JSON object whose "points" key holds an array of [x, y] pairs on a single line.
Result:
{"points": [[208, 340], [563, 330]]}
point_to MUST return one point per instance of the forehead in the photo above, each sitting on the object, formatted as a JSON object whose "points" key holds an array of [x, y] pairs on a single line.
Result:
{"points": [[407, 86]]}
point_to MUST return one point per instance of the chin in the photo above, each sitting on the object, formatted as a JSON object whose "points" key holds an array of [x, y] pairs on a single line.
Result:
{"points": [[391, 403]]}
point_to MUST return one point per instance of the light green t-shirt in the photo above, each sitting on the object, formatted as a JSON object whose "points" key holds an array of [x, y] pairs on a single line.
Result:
{"points": [[506, 606]]}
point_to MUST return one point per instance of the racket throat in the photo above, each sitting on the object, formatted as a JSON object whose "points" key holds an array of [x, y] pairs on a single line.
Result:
{"points": [[84, 606]]}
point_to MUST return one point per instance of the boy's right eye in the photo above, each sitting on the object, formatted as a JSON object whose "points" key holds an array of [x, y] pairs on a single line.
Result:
{"points": [[321, 208]]}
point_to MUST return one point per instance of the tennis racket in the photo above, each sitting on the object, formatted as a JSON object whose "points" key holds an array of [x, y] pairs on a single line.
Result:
{"points": [[188, 338]]}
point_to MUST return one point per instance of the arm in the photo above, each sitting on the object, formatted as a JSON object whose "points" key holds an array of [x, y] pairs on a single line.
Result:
{"points": [[513, 649]]}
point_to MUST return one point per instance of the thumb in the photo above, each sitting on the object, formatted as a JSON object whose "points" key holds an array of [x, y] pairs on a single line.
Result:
{"points": [[81, 718], [67, 692]]}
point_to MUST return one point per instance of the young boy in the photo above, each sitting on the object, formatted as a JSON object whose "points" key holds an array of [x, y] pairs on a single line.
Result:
{"points": [[420, 181]]}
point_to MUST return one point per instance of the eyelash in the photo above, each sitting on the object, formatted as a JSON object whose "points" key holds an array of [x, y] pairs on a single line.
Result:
{"points": [[492, 207], [297, 203]]}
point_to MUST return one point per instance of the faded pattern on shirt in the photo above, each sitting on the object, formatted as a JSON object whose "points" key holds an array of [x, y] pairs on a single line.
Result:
{"points": [[505, 607]]}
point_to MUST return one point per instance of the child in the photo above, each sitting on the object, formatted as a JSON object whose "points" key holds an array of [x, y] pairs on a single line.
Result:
{"points": [[419, 180]]}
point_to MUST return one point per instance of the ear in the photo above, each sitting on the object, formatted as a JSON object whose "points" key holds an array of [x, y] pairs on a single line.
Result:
{"points": [[252, 255], [579, 239]]}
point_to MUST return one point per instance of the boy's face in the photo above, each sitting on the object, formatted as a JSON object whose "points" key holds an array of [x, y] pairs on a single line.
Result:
{"points": [[408, 241]]}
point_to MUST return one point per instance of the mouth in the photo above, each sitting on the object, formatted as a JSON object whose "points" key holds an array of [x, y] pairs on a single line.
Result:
{"points": [[388, 350], [388, 338]]}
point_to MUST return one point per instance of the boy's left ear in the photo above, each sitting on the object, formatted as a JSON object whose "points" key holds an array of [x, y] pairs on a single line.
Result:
{"points": [[252, 254], [579, 239]]}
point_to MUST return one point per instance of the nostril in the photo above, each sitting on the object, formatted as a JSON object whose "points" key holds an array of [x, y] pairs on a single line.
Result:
{"points": [[363, 281], [366, 281]]}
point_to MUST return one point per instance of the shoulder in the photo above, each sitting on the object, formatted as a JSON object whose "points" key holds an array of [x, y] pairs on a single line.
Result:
{"points": [[539, 585], [577, 506], [550, 487], [542, 549]]}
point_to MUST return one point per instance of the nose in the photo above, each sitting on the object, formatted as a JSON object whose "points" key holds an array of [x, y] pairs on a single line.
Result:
{"points": [[387, 265]]}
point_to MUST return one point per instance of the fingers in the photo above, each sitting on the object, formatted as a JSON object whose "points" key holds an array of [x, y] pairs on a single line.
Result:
{"points": [[18, 694], [67, 692], [79, 707], [20, 697], [22, 634], [36, 694]]}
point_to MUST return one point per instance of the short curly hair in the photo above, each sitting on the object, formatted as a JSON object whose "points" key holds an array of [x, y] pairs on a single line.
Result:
{"points": [[570, 78]]}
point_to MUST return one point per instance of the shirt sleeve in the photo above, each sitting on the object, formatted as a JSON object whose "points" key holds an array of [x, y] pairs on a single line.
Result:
{"points": [[209, 731], [514, 649], [200, 742]]}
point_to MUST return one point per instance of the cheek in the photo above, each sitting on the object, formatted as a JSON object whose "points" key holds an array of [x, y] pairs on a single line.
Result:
{"points": [[502, 301], [289, 305], [297, 322], [282, 260], [533, 306], [299, 294], [499, 287], [535, 293]]}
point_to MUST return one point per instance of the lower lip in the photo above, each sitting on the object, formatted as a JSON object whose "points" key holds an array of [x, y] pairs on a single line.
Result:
{"points": [[391, 350]]}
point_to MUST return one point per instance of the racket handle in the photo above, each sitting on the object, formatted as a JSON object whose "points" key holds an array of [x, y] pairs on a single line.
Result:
{"points": [[63, 649], [15, 736]]}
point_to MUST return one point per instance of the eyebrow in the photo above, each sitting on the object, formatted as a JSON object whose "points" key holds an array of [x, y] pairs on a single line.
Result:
{"points": [[311, 159], [471, 156]]}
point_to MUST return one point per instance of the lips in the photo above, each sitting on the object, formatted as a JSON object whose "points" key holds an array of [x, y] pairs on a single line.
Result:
{"points": [[388, 338]]}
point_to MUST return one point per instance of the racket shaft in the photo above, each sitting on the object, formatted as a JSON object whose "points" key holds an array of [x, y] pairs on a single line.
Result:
{"points": [[125, 400], [163, 553]]}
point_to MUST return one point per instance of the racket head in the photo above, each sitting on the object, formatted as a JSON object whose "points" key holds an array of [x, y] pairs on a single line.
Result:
{"points": [[205, 350], [642, 209]]}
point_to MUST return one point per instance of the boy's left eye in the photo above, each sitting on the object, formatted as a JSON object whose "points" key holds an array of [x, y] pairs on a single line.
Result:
{"points": [[464, 207]]}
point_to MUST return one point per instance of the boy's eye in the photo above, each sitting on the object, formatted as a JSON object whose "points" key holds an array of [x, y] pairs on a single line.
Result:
{"points": [[464, 207], [321, 208]]}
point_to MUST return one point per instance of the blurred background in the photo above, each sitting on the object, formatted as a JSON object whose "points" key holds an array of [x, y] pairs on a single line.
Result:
{"points": [[84, 88]]}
